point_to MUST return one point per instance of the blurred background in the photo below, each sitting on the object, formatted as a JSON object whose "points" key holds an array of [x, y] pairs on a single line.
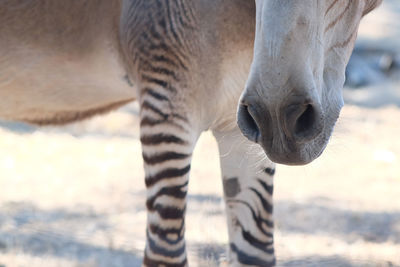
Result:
{"points": [[74, 196]]}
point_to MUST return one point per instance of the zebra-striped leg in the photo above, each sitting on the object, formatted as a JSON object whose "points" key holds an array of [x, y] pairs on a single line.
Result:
{"points": [[167, 144], [248, 186]]}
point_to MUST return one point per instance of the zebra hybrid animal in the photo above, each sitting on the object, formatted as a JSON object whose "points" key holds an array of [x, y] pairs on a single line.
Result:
{"points": [[187, 63]]}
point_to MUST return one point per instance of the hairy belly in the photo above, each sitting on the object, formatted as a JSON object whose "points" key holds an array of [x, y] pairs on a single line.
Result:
{"points": [[49, 88]]}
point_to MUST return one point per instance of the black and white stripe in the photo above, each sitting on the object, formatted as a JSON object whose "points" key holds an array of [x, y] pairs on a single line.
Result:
{"points": [[253, 242], [158, 46]]}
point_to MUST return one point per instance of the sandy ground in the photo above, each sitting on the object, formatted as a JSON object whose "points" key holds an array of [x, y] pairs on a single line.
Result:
{"points": [[74, 196], [74, 199]]}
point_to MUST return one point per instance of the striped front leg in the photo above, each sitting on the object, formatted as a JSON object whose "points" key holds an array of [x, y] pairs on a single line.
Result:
{"points": [[167, 142], [248, 185]]}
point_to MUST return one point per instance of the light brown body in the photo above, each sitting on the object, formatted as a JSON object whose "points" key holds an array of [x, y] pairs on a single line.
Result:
{"points": [[60, 60]]}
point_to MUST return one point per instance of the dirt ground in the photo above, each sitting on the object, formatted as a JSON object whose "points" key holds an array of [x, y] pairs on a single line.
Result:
{"points": [[74, 196]]}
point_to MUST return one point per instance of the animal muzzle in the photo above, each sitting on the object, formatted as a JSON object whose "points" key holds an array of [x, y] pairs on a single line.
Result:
{"points": [[286, 133]]}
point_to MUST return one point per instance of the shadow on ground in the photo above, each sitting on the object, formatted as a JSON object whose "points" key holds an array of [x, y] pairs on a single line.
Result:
{"points": [[348, 225], [25, 229], [335, 261], [58, 233]]}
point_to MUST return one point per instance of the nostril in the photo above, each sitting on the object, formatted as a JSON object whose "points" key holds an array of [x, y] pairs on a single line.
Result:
{"points": [[247, 124], [305, 121]]}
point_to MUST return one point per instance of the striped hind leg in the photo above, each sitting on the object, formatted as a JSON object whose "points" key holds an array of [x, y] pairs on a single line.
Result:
{"points": [[248, 186], [167, 143]]}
